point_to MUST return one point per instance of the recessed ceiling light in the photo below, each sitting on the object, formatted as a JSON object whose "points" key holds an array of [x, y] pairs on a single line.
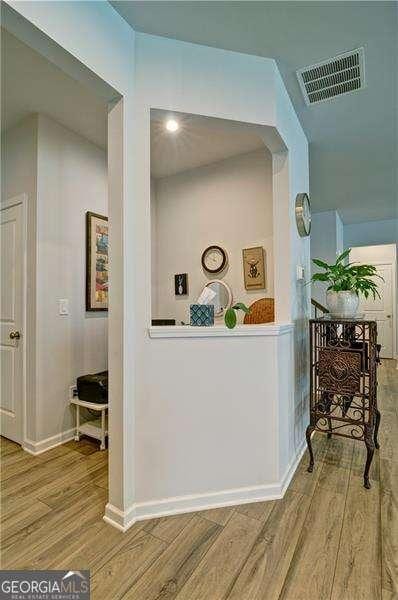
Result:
{"points": [[172, 125]]}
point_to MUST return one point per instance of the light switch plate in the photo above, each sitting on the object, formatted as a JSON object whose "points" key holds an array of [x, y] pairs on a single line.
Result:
{"points": [[63, 306], [300, 273]]}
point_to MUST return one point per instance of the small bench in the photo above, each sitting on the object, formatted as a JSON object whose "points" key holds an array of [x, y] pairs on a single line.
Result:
{"points": [[98, 428]]}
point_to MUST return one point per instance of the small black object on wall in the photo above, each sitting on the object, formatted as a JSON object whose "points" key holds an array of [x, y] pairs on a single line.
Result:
{"points": [[181, 284]]}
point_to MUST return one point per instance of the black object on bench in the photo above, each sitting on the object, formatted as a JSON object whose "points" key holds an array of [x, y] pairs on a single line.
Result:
{"points": [[93, 388]]}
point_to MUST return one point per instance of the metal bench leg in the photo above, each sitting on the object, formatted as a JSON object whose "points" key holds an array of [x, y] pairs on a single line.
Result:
{"points": [[77, 434], [370, 447], [102, 446]]}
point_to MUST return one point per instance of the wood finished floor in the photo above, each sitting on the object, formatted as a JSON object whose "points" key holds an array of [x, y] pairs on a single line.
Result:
{"points": [[328, 539]]}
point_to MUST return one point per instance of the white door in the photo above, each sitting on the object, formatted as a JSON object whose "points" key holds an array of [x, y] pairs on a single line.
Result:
{"points": [[11, 321], [380, 310]]}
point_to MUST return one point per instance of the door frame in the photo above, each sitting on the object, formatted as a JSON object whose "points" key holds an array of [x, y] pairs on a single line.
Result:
{"points": [[393, 265], [22, 200]]}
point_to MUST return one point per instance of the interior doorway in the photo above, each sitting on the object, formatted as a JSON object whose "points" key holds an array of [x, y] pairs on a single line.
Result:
{"points": [[13, 249], [381, 309], [60, 160], [54, 173], [95, 76]]}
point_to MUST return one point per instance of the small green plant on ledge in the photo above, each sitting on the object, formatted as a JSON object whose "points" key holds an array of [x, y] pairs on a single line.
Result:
{"points": [[230, 314]]}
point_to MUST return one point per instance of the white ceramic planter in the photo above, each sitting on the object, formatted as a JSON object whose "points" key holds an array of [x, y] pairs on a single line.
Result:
{"points": [[343, 305]]}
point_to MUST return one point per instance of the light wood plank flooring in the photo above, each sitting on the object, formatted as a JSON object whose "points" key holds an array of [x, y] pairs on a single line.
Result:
{"points": [[328, 539]]}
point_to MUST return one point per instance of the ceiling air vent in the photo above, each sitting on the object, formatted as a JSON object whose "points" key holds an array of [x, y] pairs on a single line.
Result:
{"points": [[342, 74]]}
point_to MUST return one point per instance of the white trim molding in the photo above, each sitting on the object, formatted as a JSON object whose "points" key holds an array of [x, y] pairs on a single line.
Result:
{"points": [[142, 511], [187, 331], [36, 448]]}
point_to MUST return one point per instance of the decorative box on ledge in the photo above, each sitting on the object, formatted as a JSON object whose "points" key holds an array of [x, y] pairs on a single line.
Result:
{"points": [[202, 315]]}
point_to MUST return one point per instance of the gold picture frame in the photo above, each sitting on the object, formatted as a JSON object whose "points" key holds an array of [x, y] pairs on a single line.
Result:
{"points": [[96, 262], [254, 268]]}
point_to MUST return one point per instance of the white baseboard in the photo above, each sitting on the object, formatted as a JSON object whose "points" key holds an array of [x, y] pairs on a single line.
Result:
{"points": [[141, 511], [119, 519], [290, 471], [36, 448]]}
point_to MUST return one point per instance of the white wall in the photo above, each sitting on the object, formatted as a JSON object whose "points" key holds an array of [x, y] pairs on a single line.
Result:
{"points": [[326, 244], [248, 89], [18, 160], [71, 179], [194, 79], [371, 233], [154, 254], [381, 253], [228, 203]]}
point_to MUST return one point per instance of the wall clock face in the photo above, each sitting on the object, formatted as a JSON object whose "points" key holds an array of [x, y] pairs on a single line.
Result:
{"points": [[303, 214], [214, 259]]}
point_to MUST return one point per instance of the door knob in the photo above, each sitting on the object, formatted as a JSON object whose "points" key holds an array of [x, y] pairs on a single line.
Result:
{"points": [[15, 335], [388, 316]]}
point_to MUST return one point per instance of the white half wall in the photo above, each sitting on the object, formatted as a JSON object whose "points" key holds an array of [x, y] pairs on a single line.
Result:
{"points": [[228, 203], [247, 89]]}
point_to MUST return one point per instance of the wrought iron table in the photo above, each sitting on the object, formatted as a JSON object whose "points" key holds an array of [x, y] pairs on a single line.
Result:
{"points": [[343, 383]]}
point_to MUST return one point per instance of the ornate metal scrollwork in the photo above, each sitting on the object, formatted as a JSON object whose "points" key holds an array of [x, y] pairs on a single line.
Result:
{"points": [[339, 371], [343, 382]]}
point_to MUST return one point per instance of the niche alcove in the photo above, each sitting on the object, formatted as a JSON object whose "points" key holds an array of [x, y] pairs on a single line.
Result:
{"points": [[211, 215]]}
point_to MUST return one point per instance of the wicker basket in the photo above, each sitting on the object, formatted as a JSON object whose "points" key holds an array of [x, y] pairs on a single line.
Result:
{"points": [[261, 311]]}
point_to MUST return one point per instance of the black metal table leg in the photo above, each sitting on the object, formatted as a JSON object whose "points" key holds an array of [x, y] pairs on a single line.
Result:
{"points": [[308, 434], [370, 447], [376, 432]]}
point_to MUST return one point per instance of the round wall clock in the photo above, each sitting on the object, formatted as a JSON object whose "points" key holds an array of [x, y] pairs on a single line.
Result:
{"points": [[303, 214], [214, 259]]}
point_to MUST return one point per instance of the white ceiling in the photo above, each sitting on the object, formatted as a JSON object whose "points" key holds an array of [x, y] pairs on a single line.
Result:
{"points": [[199, 141], [31, 84], [353, 138]]}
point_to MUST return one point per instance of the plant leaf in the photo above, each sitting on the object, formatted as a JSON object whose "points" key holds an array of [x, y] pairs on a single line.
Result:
{"points": [[320, 263], [230, 318], [320, 277], [342, 256], [241, 306]]}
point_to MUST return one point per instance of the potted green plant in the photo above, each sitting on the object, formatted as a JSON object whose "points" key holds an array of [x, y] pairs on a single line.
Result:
{"points": [[346, 282], [230, 314]]}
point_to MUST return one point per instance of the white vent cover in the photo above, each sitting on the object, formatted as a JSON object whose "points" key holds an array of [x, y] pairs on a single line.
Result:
{"points": [[342, 74]]}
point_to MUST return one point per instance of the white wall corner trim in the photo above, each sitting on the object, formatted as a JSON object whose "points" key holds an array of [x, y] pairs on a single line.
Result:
{"points": [[143, 511], [36, 448]]}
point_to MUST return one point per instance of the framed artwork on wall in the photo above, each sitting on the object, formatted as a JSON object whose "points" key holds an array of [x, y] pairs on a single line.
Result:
{"points": [[181, 284], [96, 262], [254, 268]]}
